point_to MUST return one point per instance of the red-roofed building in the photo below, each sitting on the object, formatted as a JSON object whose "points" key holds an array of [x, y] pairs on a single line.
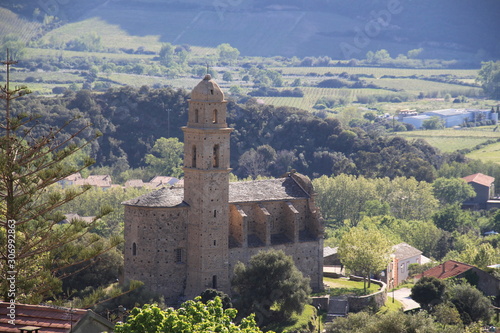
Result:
{"points": [[448, 269], [485, 190], [483, 281], [51, 319]]}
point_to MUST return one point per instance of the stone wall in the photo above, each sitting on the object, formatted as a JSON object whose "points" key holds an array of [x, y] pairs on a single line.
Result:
{"points": [[158, 257], [305, 256], [376, 300]]}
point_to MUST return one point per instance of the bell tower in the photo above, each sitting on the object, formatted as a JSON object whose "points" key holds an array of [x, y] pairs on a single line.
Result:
{"points": [[206, 189]]}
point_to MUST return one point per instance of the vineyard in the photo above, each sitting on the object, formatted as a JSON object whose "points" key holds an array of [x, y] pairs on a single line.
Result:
{"points": [[377, 71]]}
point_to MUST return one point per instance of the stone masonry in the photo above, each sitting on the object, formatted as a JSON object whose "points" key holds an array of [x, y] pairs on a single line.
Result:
{"points": [[181, 241]]}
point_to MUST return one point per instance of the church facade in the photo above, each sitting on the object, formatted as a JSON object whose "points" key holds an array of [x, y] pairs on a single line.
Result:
{"points": [[182, 240]]}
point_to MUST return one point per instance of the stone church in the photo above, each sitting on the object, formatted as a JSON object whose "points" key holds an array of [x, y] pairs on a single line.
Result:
{"points": [[182, 240]]}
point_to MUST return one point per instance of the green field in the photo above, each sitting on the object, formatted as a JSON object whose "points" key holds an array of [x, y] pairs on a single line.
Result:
{"points": [[342, 286], [378, 71], [415, 86], [449, 140], [312, 94], [490, 153]]}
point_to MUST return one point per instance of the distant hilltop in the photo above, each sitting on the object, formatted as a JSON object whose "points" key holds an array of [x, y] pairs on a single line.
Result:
{"points": [[340, 29]]}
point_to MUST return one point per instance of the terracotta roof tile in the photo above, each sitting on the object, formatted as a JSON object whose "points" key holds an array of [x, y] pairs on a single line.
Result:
{"points": [[50, 319], [479, 178], [446, 270]]}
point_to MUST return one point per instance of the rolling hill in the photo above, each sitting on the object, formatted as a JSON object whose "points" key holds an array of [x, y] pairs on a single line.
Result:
{"points": [[448, 29]]}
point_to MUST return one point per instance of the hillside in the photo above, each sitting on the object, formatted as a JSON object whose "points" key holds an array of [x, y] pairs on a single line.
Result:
{"points": [[447, 29]]}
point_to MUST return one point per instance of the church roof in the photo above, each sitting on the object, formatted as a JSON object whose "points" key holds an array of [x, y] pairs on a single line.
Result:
{"points": [[266, 190], [250, 191], [207, 90], [164, 197]]}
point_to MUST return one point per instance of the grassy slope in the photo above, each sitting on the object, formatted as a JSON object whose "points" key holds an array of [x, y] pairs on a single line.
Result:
{"points": [[490, 153], [449, 140]]}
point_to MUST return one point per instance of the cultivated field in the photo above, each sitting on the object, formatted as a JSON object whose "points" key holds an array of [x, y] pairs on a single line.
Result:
{"points": [[449, 140], [377, 71]]}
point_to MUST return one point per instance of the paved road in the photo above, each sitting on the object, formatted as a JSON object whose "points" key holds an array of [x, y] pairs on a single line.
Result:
{"points": [[403, 295]]}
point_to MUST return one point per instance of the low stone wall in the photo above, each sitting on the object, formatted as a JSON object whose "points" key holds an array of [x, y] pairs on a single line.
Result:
{"points": [[321, 302], [375, 300]]}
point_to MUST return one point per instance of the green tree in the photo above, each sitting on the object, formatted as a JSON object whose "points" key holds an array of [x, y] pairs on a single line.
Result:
{"points": [[29, 165], [489, 78], [390, 322], [472, 305], [211, 294], [16, 47], [192, 317], [452, 190], [447, 314], [433, 123], [227, 53], [413, 54], [428, 292], [166, 157], [364, 252], [408, 198], [343, 197], [381, 55], [167, 54], [452, 217], [227, 76], [270, 286]]}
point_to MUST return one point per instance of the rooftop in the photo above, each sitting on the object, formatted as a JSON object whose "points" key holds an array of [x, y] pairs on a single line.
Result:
{"points": [[266, 190], [207, 90], [446, 270], [328, 251], [49, 319], [403, 251], [250, 191], [448, 112], [479, 178], [164, 197]]}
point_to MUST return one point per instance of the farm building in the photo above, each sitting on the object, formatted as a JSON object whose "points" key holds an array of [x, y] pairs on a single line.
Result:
{"points": [[485, 192], [450, 117]]}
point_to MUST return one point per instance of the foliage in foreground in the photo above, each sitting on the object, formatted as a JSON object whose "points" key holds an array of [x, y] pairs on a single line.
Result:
{"points": [[191, 317], [40, 246]]}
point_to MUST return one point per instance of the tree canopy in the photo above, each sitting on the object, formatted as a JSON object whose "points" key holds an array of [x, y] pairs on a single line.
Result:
{"points": [[428, 292], [192, 317], [29, 165], [270, 286], [489, 77], [452, 190], [166, 157], [364, 252]]}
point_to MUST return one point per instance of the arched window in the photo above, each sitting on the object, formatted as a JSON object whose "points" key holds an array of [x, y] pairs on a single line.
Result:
{"points": [[193, 163], [214, 282], [196, 116], [214, 116], [216, 156], [134, 249]]}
